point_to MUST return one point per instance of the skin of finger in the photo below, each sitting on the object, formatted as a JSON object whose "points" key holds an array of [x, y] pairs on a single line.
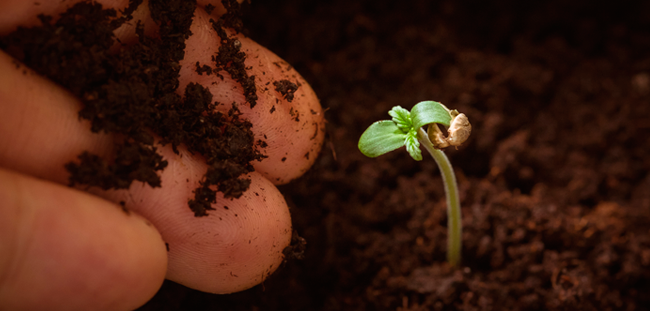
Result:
{"points": [[294, 131], [62, 249], [125, 33], [262, 255], [39, 125], [235, 247]]}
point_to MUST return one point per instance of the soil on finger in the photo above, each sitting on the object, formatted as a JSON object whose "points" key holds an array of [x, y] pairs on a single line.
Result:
{"points": [[132, 94]]}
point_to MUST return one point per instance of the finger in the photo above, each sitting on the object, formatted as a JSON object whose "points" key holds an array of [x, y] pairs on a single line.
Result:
{"points": [[293, 130], [235, 247], [40, 124], [61, 249]]}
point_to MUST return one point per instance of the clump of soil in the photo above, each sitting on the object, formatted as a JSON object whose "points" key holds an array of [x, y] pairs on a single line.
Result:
{"points": [[132, 93], [286, 88]]}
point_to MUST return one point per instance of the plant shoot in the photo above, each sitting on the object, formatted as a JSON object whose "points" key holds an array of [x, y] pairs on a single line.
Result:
{"points": [[406, 129]]}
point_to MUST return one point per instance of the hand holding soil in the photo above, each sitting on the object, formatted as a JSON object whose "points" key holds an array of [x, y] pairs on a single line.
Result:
{"points": [[64, 248]]}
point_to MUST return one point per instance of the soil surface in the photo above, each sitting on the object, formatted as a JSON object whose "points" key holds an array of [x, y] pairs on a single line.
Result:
{"points": [[555, 182]]}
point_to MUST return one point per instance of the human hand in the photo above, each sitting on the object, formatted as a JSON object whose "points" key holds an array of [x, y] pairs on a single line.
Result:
{"points": [[61, 248]]}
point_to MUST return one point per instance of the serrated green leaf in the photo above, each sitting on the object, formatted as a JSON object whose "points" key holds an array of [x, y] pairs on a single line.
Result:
{"points": [[381, 137], [428, 112], [413, 145], [402, 118]]}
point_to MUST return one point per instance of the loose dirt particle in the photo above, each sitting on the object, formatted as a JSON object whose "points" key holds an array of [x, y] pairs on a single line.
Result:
{"points": [[286, 88]]}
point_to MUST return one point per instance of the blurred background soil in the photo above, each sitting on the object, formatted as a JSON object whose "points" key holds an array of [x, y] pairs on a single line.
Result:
{"points": [[554, 181]]}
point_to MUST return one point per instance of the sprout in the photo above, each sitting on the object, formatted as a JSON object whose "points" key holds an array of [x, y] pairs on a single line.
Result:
{"points": [[405, 129]]}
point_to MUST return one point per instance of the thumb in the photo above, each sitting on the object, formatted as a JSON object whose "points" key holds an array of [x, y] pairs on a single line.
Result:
{"points": [[62, 249]]}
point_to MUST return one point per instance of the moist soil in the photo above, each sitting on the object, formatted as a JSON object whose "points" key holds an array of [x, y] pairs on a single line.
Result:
{"points": [[554, 181]]}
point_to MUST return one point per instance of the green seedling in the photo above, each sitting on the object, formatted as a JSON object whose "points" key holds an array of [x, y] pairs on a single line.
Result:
{"points": [[406, 129]]}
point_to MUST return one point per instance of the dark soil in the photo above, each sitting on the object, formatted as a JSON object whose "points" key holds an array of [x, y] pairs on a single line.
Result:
{"points": [[555, 180]]}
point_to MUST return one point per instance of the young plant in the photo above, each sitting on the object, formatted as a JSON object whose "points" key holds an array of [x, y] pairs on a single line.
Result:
{"points": [[406, 129]]}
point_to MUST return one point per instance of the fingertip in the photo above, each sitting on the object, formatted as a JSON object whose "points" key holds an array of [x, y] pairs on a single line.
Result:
{"points": [[67, 250], [237, 246], [290, 124]]}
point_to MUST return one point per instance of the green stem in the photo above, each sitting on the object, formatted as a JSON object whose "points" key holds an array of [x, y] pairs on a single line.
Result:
{"points": [[454, 225]]}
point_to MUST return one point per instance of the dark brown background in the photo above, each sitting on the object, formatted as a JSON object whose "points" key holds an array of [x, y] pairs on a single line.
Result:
{"points": [[555, 181]]}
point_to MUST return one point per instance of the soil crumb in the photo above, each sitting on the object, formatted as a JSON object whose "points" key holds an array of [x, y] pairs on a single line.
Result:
{"points": [[286, 88], [295, 250]]}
